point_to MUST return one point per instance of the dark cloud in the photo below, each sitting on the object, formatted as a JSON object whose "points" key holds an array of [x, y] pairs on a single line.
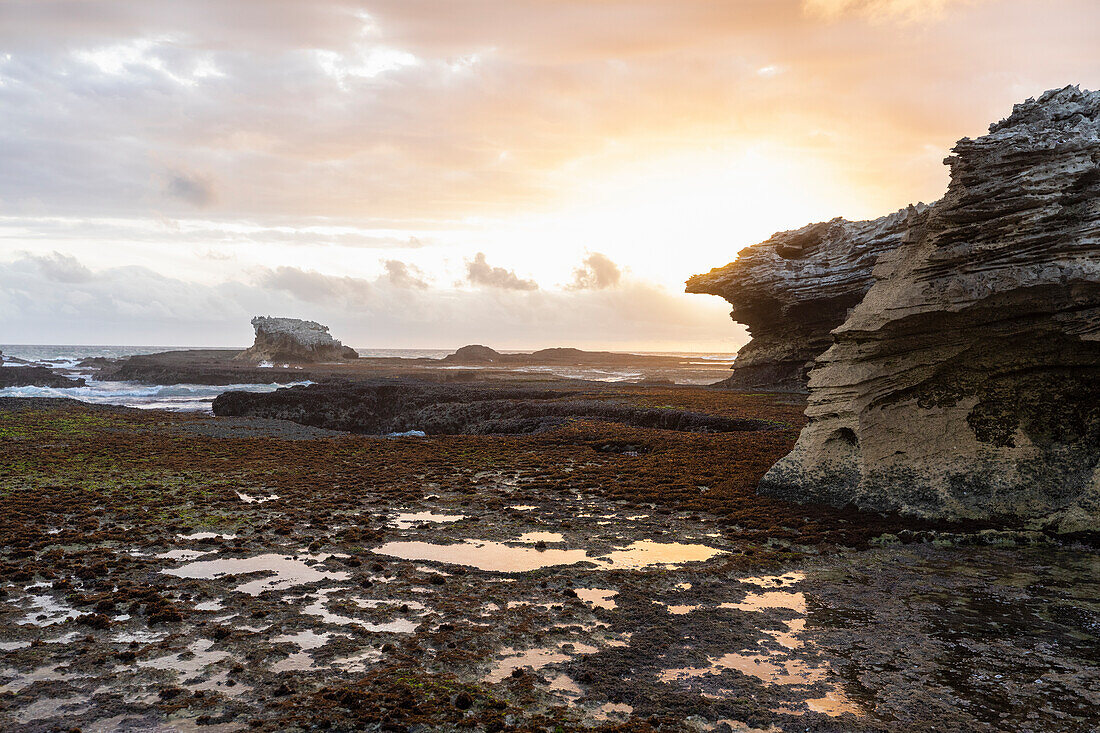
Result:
{"points": [[195, 190], [402, 275], [480, 272], [596, 273]]}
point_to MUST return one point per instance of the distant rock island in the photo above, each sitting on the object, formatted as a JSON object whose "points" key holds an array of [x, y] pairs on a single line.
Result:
{"points": [[965, 381], [477, 355], [294, 340]]}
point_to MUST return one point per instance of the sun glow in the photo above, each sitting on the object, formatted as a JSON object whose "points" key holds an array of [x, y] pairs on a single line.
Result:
{"points": [[672, 216]]}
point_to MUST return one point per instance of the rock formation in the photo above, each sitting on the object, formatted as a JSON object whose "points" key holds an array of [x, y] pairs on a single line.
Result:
{"points": [[35, 376], [294, 340], [966, 383], [387, 406], [793, 289]]}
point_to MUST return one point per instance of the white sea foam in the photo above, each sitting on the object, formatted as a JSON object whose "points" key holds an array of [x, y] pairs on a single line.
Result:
{"points": [[175, 397]]}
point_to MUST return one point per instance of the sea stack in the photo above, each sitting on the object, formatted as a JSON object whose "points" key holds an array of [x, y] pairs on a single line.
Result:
{"points": [[294, 340], [966, 382]]}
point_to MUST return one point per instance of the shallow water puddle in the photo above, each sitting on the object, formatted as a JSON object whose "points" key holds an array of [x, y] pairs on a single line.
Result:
{"points": [[647, 553], [247, 499], [534, 659], [287, 570], [51, 707], [535, 537], [188, 664], [407, 520], [494, 557], [319, 608], [773, 666], [598, 597], [306, 640], [207, 536], [506, 558], [48, 611], [23, 680], [183, 554]]}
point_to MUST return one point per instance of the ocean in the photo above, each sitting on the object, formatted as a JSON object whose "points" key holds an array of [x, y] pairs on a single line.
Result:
{"points": [[200, 397]]}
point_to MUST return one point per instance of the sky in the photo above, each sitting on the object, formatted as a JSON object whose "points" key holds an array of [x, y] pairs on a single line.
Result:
{"points": [[518, 173]]}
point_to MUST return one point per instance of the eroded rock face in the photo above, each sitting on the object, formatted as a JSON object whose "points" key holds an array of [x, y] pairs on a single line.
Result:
{"points": [[796, 287], [294, 340], [967, 381]]}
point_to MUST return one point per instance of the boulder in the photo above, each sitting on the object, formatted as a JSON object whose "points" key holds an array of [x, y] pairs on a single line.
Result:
{"points": [[792, 290], [294, 340], [966, 383]]}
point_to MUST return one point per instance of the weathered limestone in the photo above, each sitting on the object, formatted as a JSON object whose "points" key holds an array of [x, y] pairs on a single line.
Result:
{"points": [[966, 383], [796, 287], [294, 340]]}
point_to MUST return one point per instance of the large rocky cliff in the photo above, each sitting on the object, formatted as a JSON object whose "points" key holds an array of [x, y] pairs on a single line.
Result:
{"points": [[294, 340], [966, 383], [796, 287]]}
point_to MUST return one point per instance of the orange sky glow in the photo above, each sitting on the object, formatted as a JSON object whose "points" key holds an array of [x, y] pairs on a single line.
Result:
{"points": [[520, 173]]}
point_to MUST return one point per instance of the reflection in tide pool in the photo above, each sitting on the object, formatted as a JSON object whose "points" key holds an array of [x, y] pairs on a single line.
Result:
{"points": [[770, 665], [504, 558], [288, 571]]}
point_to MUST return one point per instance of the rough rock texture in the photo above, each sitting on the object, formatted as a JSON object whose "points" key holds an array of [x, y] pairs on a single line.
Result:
{"points": [[294, 340], [793, 289], [380, 407], [35, 376], [967, 381]]}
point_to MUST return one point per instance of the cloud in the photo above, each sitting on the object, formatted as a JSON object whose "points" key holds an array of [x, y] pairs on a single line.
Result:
{"points": [[596, 273], [139, 306], [62, 268], [314, 287], [479, 272], [906, 9], [402, 275], [422, 110], [193, 189]]}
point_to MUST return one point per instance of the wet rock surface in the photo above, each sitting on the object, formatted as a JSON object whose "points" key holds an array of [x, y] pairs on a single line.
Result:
{"points": [[35, 376], [159, 574], [792, 290], [383, 407]]}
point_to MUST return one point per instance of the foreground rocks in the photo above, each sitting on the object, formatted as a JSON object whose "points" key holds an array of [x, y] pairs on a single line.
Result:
{"points": [[967, 381], [382, 407], [793, 289], [294, 340], [35, 376]]}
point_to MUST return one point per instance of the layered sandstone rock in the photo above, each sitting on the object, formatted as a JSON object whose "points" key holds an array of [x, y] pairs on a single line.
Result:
{"points": [[796, 287], [294, 340], [966, 383]]}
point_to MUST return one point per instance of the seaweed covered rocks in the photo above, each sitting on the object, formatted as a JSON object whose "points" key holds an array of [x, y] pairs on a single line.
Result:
{"points": [[387, 406]]}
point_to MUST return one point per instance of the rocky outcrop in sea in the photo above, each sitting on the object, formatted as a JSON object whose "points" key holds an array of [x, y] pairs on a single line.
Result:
{"points": [[35, 376], [792, 290], [294, 340], [966, 382]]}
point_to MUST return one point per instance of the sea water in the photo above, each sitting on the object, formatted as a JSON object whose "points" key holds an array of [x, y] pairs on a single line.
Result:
{"points": [[65, 360]]}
